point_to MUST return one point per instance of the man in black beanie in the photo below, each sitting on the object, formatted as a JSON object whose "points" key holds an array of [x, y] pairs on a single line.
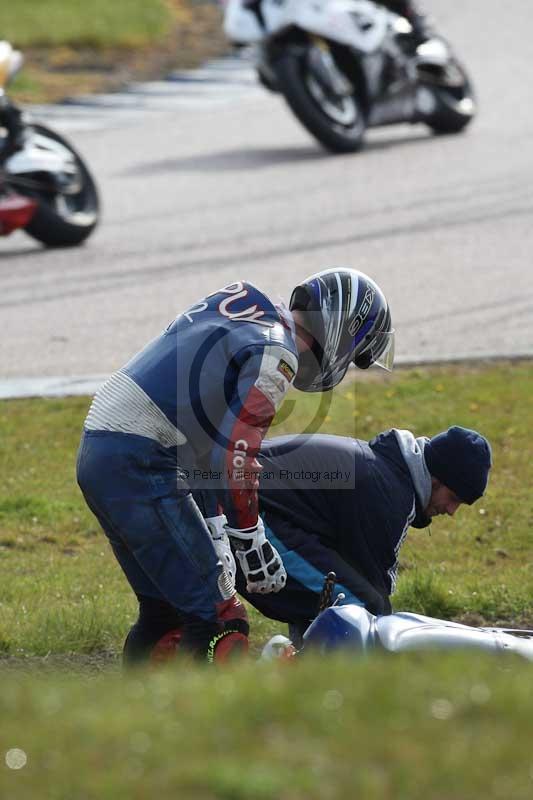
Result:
{"points": [[357, 525], [333, 503], [458, 461]]}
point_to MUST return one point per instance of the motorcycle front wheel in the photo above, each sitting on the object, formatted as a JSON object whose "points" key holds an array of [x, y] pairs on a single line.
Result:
{"points": [[67, 212], [336, 120], [450, 98]]}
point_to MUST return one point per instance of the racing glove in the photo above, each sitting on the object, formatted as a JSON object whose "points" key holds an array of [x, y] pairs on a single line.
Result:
{"points": [[260, 562], [217, 529]]}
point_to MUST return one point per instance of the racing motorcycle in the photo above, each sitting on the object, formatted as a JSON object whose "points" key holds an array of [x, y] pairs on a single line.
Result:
{"points": [[45, 186], [346, 65], [354, 630]]}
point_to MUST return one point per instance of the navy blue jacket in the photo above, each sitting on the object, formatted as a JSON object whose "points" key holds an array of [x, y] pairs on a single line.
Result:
{"points": [[329, 500]]}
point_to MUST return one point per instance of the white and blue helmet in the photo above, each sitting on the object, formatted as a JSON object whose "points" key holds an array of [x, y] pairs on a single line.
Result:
{"points": [[349, 319]]}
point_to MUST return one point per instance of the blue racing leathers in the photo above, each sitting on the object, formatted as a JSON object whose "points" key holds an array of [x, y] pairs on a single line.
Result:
{"points": [[188, 412]]}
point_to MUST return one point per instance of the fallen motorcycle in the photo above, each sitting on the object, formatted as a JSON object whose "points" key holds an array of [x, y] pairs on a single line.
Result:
{"points": [[45, 186], [352, 629], [346, 65]]}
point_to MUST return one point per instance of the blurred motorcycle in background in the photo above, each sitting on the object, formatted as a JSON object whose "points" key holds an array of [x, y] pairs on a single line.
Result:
{"points": [[45, 186], [346, 65]]}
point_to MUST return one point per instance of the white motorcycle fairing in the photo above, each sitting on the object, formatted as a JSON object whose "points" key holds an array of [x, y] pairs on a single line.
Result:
{"points": [[405, 631], [41, 154], [352, 627], [359, 24]]}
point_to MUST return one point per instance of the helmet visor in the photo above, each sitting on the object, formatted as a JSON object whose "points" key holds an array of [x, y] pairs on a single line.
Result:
{"points": [[382, 354]]}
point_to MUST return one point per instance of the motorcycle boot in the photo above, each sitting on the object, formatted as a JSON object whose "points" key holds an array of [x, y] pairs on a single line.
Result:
{"points": [[212, 642], [166, 648], [156, 621], [421, 29], [232, 640]]}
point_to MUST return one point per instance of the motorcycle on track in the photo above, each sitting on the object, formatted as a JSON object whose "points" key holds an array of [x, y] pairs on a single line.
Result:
{"points": [[347, 65], [45, 186]]}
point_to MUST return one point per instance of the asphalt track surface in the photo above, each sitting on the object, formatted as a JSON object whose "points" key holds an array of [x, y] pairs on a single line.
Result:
{"points": [[208, 180]]}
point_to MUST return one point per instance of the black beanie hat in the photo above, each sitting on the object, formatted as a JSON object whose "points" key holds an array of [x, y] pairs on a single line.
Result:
{"points": [[460, 459]]}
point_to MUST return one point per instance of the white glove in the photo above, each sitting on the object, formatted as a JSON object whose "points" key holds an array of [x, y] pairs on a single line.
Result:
{"points": [[217, 529], [260, 562]]}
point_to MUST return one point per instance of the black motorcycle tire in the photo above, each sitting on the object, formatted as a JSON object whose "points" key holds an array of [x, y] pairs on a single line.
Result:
{"points": [[48, 225], [448, 117], [335, 137]]}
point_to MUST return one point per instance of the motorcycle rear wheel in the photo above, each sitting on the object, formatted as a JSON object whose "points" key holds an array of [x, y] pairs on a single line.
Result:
{"points": [[64, 220], [337, 123]]}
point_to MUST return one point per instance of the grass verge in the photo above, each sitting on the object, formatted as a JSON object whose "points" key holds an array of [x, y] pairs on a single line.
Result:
{"points": [[61, 591], [56, 23], [410, 727], [72, 47], [403, 727]]}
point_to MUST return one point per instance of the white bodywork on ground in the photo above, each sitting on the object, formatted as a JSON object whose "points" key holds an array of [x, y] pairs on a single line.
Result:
{"points": [[351, 627]]}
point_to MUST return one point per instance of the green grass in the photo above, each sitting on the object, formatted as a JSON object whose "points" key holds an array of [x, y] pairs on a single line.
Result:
{"points": [[76, 23], [73, 47], [61, 591], [410, 727], [448, 726]]}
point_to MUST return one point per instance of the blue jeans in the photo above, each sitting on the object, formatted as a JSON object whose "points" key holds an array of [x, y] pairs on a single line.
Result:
{"points": [[134, 488]]}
